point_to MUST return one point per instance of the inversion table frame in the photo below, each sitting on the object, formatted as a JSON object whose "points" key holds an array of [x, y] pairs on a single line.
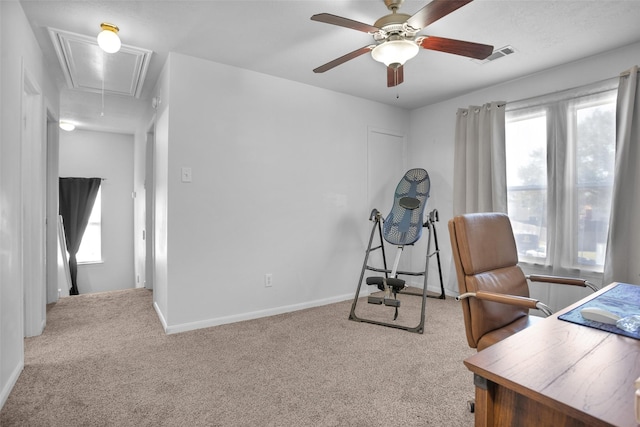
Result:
{"points": [[376, 217]]}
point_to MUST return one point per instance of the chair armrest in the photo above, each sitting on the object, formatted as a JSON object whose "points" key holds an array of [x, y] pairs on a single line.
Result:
{"points": [[562, 281], [519, 301]]}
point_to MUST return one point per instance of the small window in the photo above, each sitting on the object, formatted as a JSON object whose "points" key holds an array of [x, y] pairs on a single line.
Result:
{"points": [[91, 247]]}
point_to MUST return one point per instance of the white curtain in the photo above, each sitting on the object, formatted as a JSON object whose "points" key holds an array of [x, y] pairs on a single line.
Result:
{"points": [[479, 171], [622, 261], [562, 168]]}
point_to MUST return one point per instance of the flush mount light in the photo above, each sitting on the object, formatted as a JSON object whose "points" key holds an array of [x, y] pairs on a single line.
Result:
{"points": [[108, 39], [66, 126], [394, 53]]}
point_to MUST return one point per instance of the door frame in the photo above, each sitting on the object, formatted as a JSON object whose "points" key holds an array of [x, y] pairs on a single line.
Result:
{"points": [[33, 204], [150, 189], [52, 159]]}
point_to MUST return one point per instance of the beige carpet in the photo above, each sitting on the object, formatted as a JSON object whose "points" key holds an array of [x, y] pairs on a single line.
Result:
{"points": [[104, 360]]}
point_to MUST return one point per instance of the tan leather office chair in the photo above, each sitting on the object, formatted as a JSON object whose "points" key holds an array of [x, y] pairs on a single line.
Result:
{"points": [[494, 291]]}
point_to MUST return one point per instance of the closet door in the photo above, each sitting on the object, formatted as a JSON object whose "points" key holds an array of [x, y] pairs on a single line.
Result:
{"points": [[386, 165]]}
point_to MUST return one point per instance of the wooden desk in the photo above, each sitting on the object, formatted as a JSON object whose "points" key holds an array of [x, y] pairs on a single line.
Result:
{"points": [[557, 373]]}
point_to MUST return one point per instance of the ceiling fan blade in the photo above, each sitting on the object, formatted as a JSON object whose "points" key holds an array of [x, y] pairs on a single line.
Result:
{"points": [[328, 18], [434, 11], [343, 59], [395, 76], [457, 47]]}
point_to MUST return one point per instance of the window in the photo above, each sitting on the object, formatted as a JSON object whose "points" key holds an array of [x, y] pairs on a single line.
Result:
{"points": [[560, 163], [91, 245]]}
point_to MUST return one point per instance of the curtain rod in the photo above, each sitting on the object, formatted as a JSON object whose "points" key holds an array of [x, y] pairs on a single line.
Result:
{"points": [[628, 72], [477, 108], [584, 90], [102, 179]]}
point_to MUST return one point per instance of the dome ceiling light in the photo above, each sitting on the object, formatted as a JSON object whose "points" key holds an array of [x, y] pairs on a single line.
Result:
{"points": [[108, 39], [68, 126]]}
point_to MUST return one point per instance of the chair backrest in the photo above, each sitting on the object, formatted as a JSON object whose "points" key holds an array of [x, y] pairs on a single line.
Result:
{"points": [[486, 259]]}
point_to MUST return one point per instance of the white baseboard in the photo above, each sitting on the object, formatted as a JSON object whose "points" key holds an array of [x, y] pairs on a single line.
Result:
{"points": [[434, 289], [184, 327], [163, 321], [13, 378]]}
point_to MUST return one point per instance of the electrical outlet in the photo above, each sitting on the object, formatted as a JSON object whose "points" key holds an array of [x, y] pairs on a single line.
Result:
{"points": [[268, 280]]}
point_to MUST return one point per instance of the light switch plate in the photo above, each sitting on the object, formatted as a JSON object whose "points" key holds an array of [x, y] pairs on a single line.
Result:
{"points": [[186, 174]]}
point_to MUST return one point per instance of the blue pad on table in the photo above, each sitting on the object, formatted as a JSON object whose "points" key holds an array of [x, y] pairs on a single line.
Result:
{"points": [[623, 300]]}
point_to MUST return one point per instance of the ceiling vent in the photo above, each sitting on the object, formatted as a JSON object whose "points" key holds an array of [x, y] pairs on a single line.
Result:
{"points": [[497, 54], [87, 67]]}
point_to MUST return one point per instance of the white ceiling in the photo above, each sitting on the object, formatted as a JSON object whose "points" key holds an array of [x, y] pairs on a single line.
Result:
{"points": [[277, 37]]}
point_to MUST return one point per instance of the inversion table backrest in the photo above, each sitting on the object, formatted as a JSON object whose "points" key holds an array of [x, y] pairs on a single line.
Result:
{"points": [[403, 225]]}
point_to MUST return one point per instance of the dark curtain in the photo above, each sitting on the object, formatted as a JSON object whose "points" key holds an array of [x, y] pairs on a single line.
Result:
{"points": [[77, 196]]}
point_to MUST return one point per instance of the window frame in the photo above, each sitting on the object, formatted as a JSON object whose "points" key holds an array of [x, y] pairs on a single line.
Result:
{"points": [[551, 109]]}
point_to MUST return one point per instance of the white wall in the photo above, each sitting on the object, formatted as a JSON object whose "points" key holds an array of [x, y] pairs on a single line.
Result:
{"points": [[279, 186], [109, 156], [19, 51], [269, 157], [431, 134]]}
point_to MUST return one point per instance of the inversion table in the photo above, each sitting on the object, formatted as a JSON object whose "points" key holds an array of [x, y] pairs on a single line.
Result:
{"points": [[402, 227]]}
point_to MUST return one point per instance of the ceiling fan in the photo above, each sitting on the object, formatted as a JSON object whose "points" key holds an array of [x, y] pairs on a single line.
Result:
{"points": [[397, 40]]}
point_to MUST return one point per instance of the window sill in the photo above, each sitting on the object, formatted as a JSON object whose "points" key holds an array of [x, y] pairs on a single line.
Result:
{"points": [[90, 262]]}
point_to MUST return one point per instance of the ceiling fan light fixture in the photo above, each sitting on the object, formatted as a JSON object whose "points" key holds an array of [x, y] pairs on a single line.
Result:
{"points": [[108, 39], [393, 52]]}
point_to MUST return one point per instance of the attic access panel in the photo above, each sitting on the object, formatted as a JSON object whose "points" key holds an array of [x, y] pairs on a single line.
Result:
{"points": [[86, 67]]}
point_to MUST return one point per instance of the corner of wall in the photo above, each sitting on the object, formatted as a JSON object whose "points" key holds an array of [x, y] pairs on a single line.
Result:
{"points": [[11, 382]]}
